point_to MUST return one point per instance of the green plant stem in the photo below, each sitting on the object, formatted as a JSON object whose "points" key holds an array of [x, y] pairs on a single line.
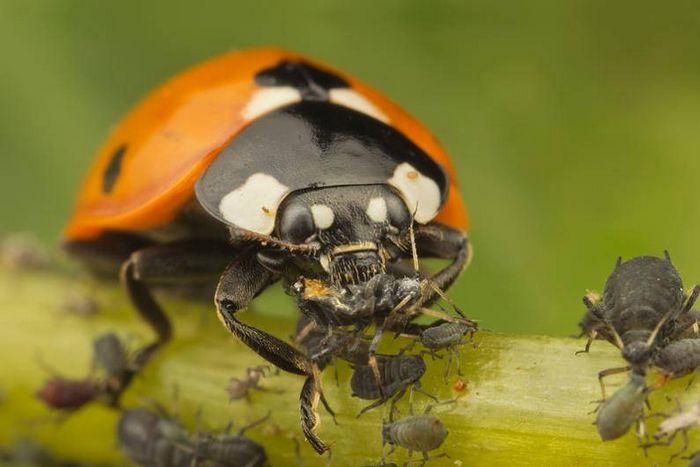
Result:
{"points": [[527, 402]]}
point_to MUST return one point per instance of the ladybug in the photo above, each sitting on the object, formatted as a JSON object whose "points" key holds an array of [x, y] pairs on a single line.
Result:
{"points": [[260, 166]]}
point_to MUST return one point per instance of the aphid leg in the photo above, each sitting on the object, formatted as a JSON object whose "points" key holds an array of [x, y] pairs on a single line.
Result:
{"points": [[684, 434], [430, 407], [609, 372], [641, 432], [374, 405], [692, 297], [591, 337], [416, 387], [426, 458], [253, 424], [379, 329], [408, 347], [446, 374]]}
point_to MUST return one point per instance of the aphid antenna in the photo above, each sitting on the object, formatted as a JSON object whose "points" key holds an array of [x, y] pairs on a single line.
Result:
{"points": [[305, 331], [451, 302], [690, 301], [657, 328], [155, 405], [41, 363], [252, 424], [446, 317], [598, 314]]}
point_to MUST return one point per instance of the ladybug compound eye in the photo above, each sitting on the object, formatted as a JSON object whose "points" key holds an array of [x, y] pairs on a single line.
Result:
{"points": [[296, 223], [390, 209], [398, 213]]}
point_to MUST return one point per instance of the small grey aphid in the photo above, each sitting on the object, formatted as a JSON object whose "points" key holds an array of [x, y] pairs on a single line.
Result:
{"points": [[618, 413]]}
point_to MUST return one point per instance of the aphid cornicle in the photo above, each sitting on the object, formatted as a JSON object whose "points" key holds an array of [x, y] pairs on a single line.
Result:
{"points": [[642, 304], [265, 165]]}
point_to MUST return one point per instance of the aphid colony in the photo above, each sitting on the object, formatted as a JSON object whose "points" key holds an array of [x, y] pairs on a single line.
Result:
{"points": [[646, 313], [149, 438]]}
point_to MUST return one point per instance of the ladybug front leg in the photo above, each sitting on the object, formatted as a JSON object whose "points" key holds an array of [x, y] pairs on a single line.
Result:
{"points": [[439, 241], [242, 281]]}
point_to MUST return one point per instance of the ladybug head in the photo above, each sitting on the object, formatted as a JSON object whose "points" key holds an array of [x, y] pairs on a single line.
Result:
{"points": [[354, 229]]}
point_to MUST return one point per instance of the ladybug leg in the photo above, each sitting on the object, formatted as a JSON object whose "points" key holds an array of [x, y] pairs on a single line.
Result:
{"points": [[436, 240], [242, 281], [186, 263]]}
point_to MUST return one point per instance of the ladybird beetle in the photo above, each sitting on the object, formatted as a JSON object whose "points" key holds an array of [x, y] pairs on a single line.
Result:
{"points": [[265, 165]]}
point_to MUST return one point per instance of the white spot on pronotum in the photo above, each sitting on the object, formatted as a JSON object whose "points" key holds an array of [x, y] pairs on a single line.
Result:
{"points": [[356, 101], [421, 193], [376, 209], [267, 99], [253, 205], [323, 216]]}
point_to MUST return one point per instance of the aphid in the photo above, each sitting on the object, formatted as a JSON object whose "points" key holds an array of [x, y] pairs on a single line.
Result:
{"points": [[150, 440], [323, 345], [111, 358], [153, 440], [422, 433], [618, 413], [81, 304], [678, 358], [673, 425], [270, 167], [642, 303], [395, 302], [446, 336], [23, 252], [239, 388], [226, 450], [398, 373], [66, 394]]}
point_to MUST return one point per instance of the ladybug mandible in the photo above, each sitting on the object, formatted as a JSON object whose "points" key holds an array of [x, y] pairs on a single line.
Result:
{"points": [[267, 166]]}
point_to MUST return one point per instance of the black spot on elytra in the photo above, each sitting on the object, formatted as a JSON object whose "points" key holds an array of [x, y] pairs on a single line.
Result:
{"points": [[113, 169], [313, 83]]}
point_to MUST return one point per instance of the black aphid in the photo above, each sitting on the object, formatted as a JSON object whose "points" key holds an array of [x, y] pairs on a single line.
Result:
{"points": [[642, 309], [152, 440], [398, 373]]}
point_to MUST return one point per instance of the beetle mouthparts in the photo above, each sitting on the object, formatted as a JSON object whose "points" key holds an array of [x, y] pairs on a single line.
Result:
{"points": [[357, 267]]}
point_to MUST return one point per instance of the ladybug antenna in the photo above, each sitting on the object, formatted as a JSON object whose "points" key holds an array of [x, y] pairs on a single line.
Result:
{"points": [[414, 251]]}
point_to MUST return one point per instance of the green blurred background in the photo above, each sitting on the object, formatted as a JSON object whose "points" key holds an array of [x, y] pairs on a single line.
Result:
{"points": [[574, 125]]}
